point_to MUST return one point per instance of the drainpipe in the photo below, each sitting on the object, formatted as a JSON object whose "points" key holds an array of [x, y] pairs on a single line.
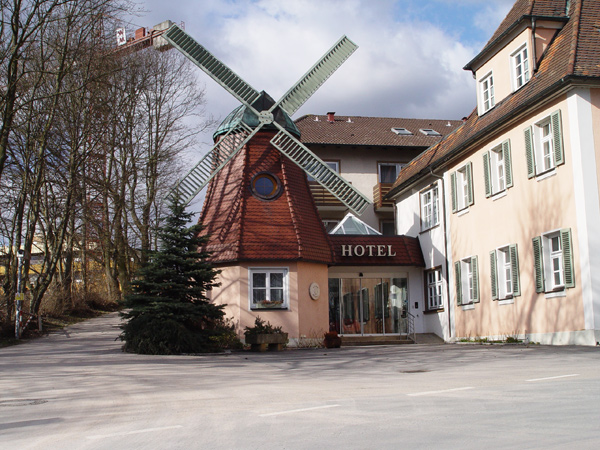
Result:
{"points": [[533, 51], [441, 178]]}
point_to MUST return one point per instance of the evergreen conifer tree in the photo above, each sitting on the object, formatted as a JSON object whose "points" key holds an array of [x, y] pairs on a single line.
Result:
{"points": [[169, 312]]}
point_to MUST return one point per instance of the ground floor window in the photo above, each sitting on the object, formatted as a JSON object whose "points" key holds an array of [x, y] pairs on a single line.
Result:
{"points": [[466, 277], [433, 280], [368, 305], [268, 288]]}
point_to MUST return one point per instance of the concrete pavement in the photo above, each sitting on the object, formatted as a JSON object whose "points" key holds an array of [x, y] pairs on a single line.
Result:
{"points": [[77, 390]]}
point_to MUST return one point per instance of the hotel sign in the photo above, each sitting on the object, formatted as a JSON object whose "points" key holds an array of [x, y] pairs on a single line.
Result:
{"points": [[368, 250]]}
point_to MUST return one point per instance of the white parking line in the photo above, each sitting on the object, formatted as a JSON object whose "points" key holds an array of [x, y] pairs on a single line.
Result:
{"points": [[554, 378], [297, 410], [417, 394], [127, 433]]}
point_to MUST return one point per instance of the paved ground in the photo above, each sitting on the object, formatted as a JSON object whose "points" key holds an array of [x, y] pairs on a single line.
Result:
{"points": [[77, 390]]}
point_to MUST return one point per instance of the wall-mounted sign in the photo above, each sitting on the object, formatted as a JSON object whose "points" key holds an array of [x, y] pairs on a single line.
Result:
{"points": [[314, 291], [121, 36], [380, 250]]}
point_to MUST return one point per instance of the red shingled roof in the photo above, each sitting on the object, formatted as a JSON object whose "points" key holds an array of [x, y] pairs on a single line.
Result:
{"points": [[406, 250], [371, 131], [244, 228], [572, 56]]}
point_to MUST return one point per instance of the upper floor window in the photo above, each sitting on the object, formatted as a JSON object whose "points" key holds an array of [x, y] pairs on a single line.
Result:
{"points": [[520, 63], [461, 186], [388, 172], [466, 277], [429, 208], [333, 165], [553, 261], [504, 265], [487, 93], [429, 132], [401, 131], [497, 169], [543, 145]]}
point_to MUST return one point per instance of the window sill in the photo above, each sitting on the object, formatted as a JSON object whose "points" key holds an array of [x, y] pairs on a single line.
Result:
{"points": [[462, 212], [556, 294], [498, 195], [544, 175], [433, 311], [468, 307], [506, 301], [267, 308], [429, 229]]}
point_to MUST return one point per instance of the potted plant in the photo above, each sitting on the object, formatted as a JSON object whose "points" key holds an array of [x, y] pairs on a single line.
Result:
{"points": [[332, 340], [263, 336]]}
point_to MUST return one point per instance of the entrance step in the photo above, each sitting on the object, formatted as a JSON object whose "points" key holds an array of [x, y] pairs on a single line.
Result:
{"points": [[355, 341], [429, 339]]}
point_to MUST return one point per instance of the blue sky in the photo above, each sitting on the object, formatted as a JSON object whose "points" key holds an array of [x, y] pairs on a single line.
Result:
{"points": [[409, 62]]}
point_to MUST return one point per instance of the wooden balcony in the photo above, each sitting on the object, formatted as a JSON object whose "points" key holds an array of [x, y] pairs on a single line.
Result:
{"points": [[323, 198], [379, 191]]}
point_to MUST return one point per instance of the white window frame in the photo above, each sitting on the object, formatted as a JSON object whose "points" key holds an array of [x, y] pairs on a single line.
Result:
{"points": [[553, 261], [253, 305], [462, 185], [504, 265], [498, 169], [398, 167], [544, 145], [522, 54], [505, 273], [434, 289], [430, 203], [486, 92], [401, 131], [466, 278], [429, 132], [544, 148]]}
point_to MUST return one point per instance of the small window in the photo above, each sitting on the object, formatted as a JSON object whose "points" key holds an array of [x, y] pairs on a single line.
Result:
{"points": [[487, 93], [388, 172], [429, 132], [461, 184], [467, 281], [433, 280], [497, 169], [544, 146], [429, 208], [387, 227], [520, 63], [504, 266], [265, 186], [553, 261], [268, 288], [330, 224], [401, 131]]}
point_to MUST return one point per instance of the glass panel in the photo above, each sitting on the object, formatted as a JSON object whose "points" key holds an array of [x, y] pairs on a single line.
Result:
{"points": [[334, 305], [259, 279], [388, 173], [350, 293], [276, 280], [276, 295], [398, 307], [371, 314], [259, 295]]}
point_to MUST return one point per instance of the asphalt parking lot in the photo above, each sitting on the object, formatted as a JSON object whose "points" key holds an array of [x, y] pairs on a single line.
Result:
{"points": [[77, 390]]}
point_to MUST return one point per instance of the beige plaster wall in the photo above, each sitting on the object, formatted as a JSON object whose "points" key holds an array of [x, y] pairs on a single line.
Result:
{"points": [[595, 99], [531, 207], [313, 315]]}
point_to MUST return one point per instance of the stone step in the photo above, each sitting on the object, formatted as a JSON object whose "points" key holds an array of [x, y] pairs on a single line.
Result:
{"points": [[355, 341]]}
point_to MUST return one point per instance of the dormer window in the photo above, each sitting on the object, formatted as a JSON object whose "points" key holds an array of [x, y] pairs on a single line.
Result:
{"points": [[520, 67], [401, 131], [486, 86], [429, 132]]}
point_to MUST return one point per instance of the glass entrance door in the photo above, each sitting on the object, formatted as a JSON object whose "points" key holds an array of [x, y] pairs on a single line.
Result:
{"points": [[368, 306]]}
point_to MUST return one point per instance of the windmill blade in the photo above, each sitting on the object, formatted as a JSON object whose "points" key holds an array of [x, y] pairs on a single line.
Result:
{"points": [[212, 66], [316, 76], [227, 147], [321, 172]]}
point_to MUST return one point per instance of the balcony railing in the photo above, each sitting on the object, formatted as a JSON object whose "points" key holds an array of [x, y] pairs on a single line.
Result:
{"points": [[379, 191], [322, 196]]}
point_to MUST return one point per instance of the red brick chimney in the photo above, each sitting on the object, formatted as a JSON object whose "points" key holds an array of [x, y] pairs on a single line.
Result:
{"points": [[331, 117]]}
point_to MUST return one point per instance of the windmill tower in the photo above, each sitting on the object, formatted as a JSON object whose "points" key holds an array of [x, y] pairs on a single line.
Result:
{"points": [[266, 235]]}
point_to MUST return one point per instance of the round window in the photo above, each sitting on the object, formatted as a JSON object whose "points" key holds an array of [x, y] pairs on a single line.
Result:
{"points": [[265, 186]]}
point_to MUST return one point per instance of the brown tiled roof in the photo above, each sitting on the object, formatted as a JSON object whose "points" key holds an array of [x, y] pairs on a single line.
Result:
{"points": [[523, 10], [242, 227], [406, 249], [572, 56], [371, 131]]}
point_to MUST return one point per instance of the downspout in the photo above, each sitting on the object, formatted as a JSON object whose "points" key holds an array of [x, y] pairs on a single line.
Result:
{"points": [[441, 178], [533, 50]]}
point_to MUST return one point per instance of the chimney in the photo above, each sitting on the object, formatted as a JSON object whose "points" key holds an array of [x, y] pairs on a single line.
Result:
{"points": [[140, 33], [331, 117]]}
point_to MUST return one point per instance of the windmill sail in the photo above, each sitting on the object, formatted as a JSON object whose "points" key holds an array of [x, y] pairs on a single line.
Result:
{"points": [[316, 168], [211, 65], [316, 76]]}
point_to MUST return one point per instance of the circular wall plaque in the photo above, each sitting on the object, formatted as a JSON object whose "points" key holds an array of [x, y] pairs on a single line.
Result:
{"points": [[314, 291]]}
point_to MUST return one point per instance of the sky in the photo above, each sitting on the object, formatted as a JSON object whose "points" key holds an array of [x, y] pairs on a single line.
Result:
{"points": [[409, 61]]}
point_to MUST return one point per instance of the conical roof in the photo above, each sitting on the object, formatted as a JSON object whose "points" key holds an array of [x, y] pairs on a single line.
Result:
{"points": [[244, 114]]}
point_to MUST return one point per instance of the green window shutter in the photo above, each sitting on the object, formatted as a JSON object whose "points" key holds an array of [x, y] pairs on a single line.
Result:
{"points": [[529, 152], [507, 163], [567, 248], [514, 268], [453, 191], [469, 171], [538, 264], [475, 279], [494, 275], [559, 154], [486, 174], [458, 283]]}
